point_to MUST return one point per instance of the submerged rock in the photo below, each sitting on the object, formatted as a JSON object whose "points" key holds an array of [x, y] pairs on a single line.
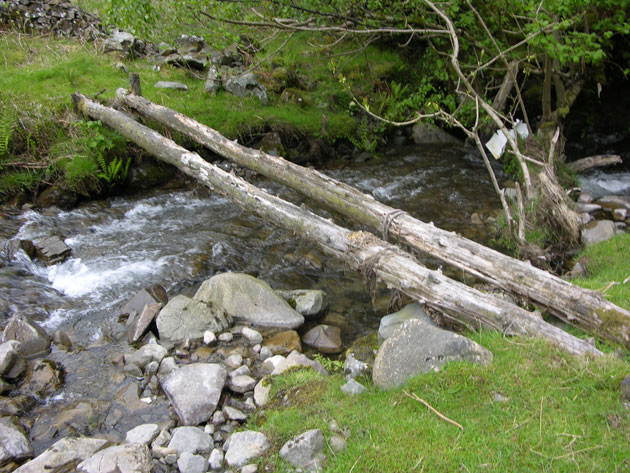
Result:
{"points": [[246, 298], [283, 343], [194, 391], [418, 347]]}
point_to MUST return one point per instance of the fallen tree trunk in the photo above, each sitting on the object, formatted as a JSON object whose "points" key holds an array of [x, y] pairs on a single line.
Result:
{"points": [[360, 250], [596, 161], [580, 307]]}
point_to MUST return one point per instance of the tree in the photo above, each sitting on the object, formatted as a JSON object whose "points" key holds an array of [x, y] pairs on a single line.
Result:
{"points": [[485, 65]]}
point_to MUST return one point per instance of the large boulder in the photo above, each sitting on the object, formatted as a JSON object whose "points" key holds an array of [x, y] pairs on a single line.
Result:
{"points": [[247, 85], [34, 339], [417, 348], [245, 446], [126, 458], [194, 391], [185, 318], [246, 298], [600, 230], [63, 453], [14, 444], [392, 322]]}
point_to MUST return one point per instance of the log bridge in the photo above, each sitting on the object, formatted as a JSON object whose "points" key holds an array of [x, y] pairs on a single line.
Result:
{"points": [[365, 252]]}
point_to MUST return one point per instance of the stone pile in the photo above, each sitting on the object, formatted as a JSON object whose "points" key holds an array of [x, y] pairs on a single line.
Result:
{"points": [[59, 17], [603, 218]]}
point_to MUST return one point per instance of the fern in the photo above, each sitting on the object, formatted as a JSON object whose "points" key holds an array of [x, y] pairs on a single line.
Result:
{"points": [[8, 121], [115, 171]]}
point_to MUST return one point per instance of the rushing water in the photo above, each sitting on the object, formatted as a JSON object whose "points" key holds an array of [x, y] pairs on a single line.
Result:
{"points": [[180, 238]]}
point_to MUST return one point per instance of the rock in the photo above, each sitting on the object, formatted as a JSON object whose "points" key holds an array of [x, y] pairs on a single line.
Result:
{"points": [[192, 440], [625, 388], [270, 364], [58, 195], [392, 322], [619, 215], [61, 339], [233, 361], [194, 391], [241, 384], [251, 335], [152, 295], [324, 338], [585, 198], [615, 201], [587, 208], [184, 318], [193, 61], [165, 84], [126, 458], [283, 343], [43, 377], [215, 462], [233, 413], [352, 387], [354, 368], [118, 41], [63, 453], [337, 443], [305, 451], [298, 359], [307, 302], [271, 143], [246, 298], [226, 337], [50, 250], [418, 347], [190, 44], [144, 433], [218, 418], [213, 81], [5, 387], [426, 134], [209, 337], [600, 230], [14, 444], [9, 354], [167, 366], [240, 371], [189, 463], [247, 85], [261, 392], [34, 339], [146, 354], [265, 353], [251, 468], [245, 446]]}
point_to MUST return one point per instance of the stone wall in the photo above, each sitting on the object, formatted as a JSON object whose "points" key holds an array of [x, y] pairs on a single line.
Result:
{"points": [[59, 17]]}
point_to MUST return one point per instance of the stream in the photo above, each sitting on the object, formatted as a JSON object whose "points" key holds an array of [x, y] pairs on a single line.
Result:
{"points": [[179, 238]]}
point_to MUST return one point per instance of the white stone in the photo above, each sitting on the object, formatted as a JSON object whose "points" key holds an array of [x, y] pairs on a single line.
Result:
{"points": [[245, 446], [126, 458], [261, 392], [216, 459], [209, 337], [144, 433], [251, 335], [190, 463]]}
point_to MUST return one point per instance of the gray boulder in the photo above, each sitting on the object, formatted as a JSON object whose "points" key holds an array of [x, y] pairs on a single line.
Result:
{"points": [[34, 339], [600, 230], [418, 347], [245, 446], [14, 444], [118, 41], [126, 458], [247, 85], [392, 322], [140, 324], [63, 453], [324, 338], [241, 384], [194, 391], [307, 302], [190, 44], [50, 250], [184, 318], [191, 463], [305, 451], [426, 134], [192, 440], [246, 298], [165, 84]]}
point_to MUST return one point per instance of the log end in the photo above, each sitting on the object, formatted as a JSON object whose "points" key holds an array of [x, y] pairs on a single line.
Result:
{"points": [[615, 324]]}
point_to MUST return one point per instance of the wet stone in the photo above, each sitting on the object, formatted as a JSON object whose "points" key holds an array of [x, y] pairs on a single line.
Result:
{"points": [[34, 339], [9, 353], [43, 378], [144, 433], [324, 338], [283, 343], [14, 444], [51, 250]]}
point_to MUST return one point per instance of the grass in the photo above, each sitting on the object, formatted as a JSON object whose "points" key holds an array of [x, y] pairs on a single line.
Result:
{"points": [[562, 414], [607, 267]]}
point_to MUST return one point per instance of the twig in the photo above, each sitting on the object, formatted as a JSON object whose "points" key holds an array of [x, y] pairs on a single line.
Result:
{"points": [[441, 416], [355, 464], [540, 420]]}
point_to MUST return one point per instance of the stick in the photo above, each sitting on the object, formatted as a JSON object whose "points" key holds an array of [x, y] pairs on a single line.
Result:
{"points": [[441, 416]]}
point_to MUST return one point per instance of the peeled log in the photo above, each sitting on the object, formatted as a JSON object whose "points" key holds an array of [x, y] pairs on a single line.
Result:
{"points": [[580, 307], [360, 250]]}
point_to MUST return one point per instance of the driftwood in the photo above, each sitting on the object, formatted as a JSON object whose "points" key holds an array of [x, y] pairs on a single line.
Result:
{"points": [[596, 161], [360, 250], [583, 308]]}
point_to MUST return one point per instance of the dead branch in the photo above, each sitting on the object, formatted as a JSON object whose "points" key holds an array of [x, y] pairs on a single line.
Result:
{"points": [[432, 409]]}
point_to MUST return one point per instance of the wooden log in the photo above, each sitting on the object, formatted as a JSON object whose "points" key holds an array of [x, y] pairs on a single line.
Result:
{"points": [[360, 250], [580, 307], [596, 161]]}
